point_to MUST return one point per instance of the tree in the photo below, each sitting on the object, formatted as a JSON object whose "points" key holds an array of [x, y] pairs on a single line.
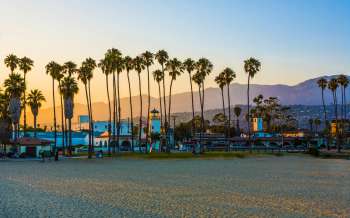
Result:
{"points": [[11, 61], [190, 66], [322, 84], [220, 80], [69, 68], [251, 67], [14, 88], [311, 124], [103, 64], [35, 99], [203, 68], [158, 77], [237, 111], [119, 68], [229, 76], [54, 70], [69, 87], [129, 65], [175, 68], [139, 66], [25, 65], [162, 57], [333, 86], [85, 74], [343, 82], [59, 77], [317, 123], [148, 61]]}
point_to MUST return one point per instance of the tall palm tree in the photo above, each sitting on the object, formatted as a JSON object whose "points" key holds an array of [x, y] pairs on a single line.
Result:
{"points": [[35, 99], [11, 61], [237, 111], [70, 68], [343, 82], [251, 67], [317, 123], [119, 68], [139, 66], [175, 68], [90, 64], [203, 67], [322, 84], [158, 77], [190, 66], [148, 61], [69, 88], [59, 77], [54, 70], [333, 86], [103, 64], [25, 65], [220, 80], [229, 76], [14, 88], [84, 74], [129, 65], [112, 57], [162, 57]]}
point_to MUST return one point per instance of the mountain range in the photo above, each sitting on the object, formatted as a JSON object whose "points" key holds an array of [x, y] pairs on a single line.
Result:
{"points": [[304, 93]]}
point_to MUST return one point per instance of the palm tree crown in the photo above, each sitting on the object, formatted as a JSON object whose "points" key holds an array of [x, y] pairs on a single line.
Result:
{"points": [[322, 83], [25, 64], [11, 61], [14, 85], [35, 99], [174, 67], [69, 87], [252, 66], [70, 68]]}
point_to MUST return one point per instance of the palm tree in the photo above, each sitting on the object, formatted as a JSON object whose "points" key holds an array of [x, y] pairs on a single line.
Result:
{"points": [[322, 84], [311, 124], [11, 61], [237, 111], [84, 75], [90, 64], [69, 88], [158, 77], [139, 66], [14, 88], [35, 99], [129, 65], [229, 75], [25, 64], [148, 61], [343, 81], [333, 86], [251, 67], [59, 77], [190, 66], [203, 68], [112, 57], [175, 68], [54, 70], [105, 70], [220, 80], [119, 68], [70, 68]]}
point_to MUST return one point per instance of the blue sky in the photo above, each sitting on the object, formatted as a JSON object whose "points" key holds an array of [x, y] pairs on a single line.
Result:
{"points": [[295, 40]]}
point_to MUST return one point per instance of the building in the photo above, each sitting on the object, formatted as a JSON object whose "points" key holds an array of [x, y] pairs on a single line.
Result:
{"points": [[31, 147], [154, 122]]}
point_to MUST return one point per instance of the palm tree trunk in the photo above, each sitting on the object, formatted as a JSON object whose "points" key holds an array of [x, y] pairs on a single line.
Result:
{"points": [[91, 119], [161, 112], [88, 107], [169, 112], [336, 120], [229, 110], [148, 108], [140, 121], [193, 126], [223, 110], [165, 111], [131, 114], [202, 116], [118, 96], [114, 112], [24, 107], [62, 120], [325, 118], [200, 103], [70, 136], [248, 103], [35, 126], [54, 115], [109, 116]]}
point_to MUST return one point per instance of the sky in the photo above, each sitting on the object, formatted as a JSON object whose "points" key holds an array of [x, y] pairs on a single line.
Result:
{"points": [[294, 39]]}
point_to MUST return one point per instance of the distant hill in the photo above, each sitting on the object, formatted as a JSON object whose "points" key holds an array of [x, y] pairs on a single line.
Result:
{"points": [[305, 93]]}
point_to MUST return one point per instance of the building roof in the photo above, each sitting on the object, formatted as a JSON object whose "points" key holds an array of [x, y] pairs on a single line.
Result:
{"points": [[28, 141]]}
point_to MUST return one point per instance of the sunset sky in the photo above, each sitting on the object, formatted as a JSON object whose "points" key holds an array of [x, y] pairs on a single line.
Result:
{"points": [[295, 40]]}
